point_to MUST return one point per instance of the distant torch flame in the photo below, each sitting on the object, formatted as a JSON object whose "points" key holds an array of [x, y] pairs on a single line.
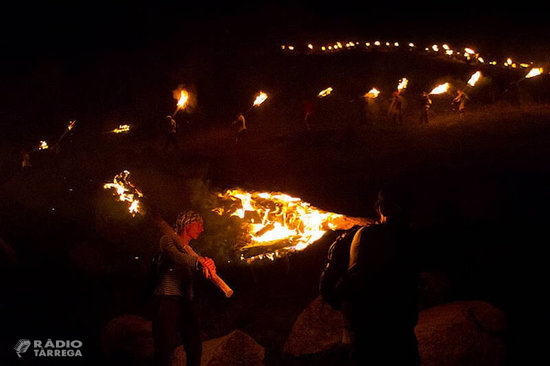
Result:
{"points": [[534, 72], [43, 145], [71, 124], [126, 191], [440, 89], [121, 129], [474, 78], [260, 98], [325, 92], [276, 223], [402, 84], [373, 93]]}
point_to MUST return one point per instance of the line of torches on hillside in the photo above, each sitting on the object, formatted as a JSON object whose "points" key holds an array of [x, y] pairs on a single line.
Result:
{"points": [[466, 53], [273, 223]]}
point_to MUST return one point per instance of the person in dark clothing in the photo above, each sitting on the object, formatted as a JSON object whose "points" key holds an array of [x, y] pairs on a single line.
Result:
{"points": [[380, 290], [171, 136], [395, 110], [426, 104], [175, 315]]}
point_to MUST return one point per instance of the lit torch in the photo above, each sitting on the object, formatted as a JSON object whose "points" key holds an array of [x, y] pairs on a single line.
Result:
{"points": [[275, 223], [182, 96], [402, 84], [440, 89], [258, 100], [474, 78], [323, 93], [373, 93], [127, 192], [43, 145], [536, 71]]}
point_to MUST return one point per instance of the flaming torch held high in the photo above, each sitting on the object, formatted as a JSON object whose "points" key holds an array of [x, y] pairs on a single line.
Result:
{"points": [[373, 93], [474, 78], [182, 96], [127, 192], [260, 98], [275, 223], [440, 89], [402, 84], [536, 71]]}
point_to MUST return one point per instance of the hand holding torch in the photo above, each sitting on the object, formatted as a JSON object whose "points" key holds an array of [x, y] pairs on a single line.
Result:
{"points": [[127, 192]]}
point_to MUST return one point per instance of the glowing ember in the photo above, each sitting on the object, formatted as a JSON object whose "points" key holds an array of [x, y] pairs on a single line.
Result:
{"points": [[71, 124], [373, 93], [534, 72], [440, 89], [121, 129], [260, 98], [474, 78], [402, 84], [126, 191], [275, 223], [324, 93]]}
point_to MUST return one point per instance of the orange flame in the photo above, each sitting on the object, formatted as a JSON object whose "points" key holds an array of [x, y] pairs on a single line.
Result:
{"points": [[126, 191], [43, 145], [474, 78], [121, 129], [275, 223], [373, 93], [325, 92], [184, 97], [272, 219], [71, 124], [402, 84], [440, 89], [260, 98], [534, 72]]}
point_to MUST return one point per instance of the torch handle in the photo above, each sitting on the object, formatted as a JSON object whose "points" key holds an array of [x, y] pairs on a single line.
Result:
{"points": [[167, 229]]}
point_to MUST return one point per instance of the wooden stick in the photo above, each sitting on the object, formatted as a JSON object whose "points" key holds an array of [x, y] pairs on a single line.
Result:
{"points": [[168, 230]]}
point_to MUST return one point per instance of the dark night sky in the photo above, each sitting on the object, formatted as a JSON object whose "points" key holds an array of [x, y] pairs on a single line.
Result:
{"points": [[35, 30]]}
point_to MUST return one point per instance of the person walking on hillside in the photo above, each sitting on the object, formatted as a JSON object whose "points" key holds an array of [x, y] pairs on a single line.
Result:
{"points": [[171, 136], [426, 104], [460, 101], [380, 300], [395, 110], [240, 122], [175, 316]]}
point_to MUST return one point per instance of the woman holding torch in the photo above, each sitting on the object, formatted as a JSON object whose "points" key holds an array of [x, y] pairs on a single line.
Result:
{"points": [[175, 314]]}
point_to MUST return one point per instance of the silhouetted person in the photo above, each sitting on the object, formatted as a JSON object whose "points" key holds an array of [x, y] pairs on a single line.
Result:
{"points": [[241, 126], [426, 104], [380, 290], [175, 318], [171, 136], [395, 110]]}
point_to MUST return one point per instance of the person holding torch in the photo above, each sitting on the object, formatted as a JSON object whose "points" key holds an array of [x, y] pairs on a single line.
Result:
{"points": [[174, 313]]}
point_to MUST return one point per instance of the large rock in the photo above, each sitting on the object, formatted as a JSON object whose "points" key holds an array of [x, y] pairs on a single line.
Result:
{"points": [[237, 348], [318, 328], [452, 334], [462, 333], [128, 339]]}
